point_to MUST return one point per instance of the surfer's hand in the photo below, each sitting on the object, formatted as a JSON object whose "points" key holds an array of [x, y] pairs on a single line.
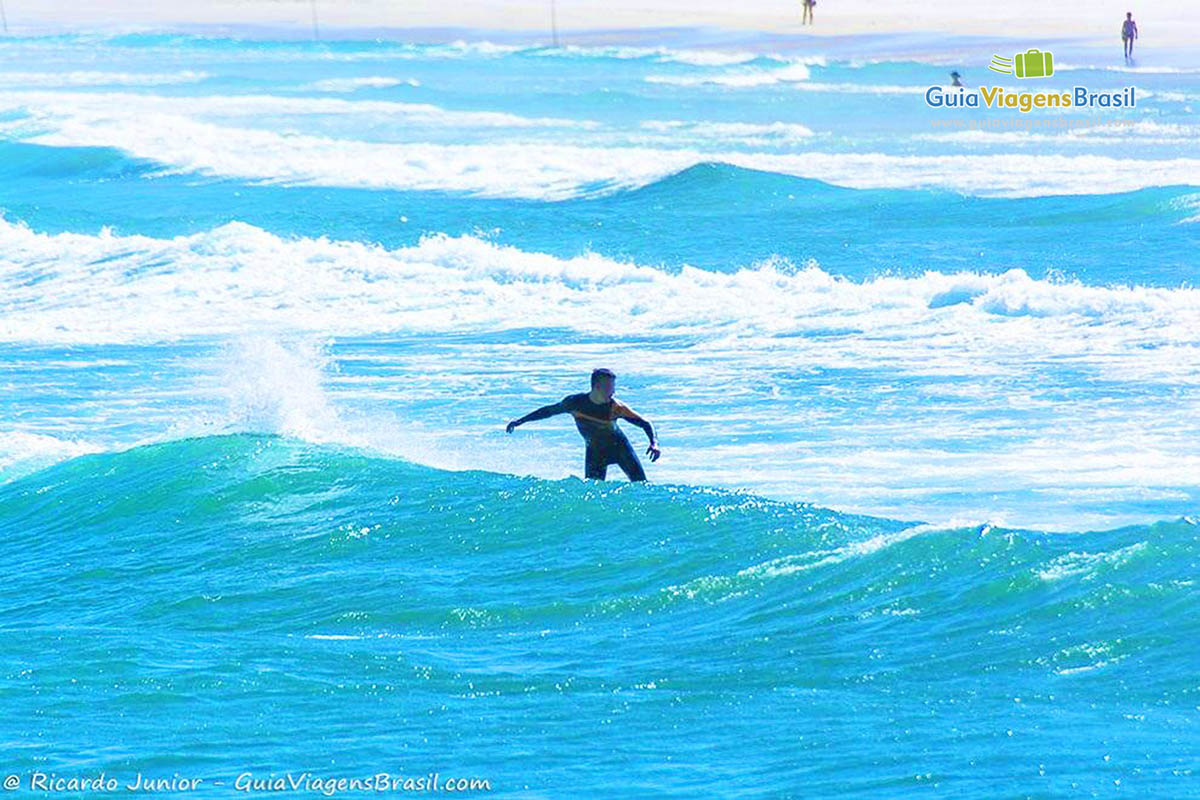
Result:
{"points": [[509, 428], [653, 452]]}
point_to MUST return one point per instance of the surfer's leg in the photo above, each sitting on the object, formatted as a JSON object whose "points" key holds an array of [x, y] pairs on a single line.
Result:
{"points": [[628, 461], [595, 463]]}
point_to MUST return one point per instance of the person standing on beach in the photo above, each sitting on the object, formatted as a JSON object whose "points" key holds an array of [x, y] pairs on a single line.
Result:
{"points": [[807, 13], [1128, 34], [596, 413]]}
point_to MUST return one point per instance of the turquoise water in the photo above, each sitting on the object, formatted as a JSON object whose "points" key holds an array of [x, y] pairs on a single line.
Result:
{"points": [[924, 520]]}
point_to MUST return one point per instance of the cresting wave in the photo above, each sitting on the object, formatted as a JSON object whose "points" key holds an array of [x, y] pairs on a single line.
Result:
{"points": [[237, 478], [522, 169], [75, 287], [473, 588], [480, 588], [99, 106]]}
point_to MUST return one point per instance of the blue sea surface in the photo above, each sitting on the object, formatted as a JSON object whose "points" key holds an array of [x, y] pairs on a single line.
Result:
{"points": [[926, 382]]}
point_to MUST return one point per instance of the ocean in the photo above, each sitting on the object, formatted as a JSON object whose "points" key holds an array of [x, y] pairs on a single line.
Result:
{"points": [[926, 382]]}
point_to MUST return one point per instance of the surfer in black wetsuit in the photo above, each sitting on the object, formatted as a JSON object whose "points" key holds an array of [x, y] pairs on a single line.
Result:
{"points": [[596, 413]]}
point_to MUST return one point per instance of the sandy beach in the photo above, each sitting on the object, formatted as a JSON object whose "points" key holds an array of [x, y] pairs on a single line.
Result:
{"points": [[1164, 23]]}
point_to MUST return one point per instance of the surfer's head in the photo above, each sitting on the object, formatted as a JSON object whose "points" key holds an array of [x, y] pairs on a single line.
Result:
{"points": [[604, 382]]}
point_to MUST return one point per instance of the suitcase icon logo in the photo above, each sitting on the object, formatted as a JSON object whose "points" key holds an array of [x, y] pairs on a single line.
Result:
{"points": [[1033, 63]]}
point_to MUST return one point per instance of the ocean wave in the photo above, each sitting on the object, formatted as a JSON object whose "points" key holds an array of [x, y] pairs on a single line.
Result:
{"points": [[745, 133], [22, 452], [1169, 96], [858, 88], [793, 76], [1128, 68], [101, 107], [495, 592], [99, 78], [354, 84], [698, 57], [77, 287], [248, 471], [543, 171], [1140, 132], [739, 78]]}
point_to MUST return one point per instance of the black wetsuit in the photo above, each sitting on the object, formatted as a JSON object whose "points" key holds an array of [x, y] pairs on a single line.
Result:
{"points": [[606, 443]]}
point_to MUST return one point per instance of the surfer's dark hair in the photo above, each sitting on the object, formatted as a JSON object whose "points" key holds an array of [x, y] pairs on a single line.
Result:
{"points": [[597, 374]]}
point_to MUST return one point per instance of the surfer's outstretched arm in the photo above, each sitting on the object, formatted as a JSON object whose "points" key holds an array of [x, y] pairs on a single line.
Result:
{"points": [[540, 413], [625, 412]]}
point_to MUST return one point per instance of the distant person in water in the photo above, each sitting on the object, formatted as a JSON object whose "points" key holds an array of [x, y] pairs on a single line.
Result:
{"points": [[956, 78], [806, 14], [596, 413], [1128, 34]]}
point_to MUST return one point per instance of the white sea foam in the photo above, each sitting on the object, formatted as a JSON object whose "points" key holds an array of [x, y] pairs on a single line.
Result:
{"points": [[795, 76], [22, 451], [858, 88], [278, 387], [527, 169], [744, 77], [354, 84], [112, 107], [76, 287], [745, 133], [1129, 68], [967, 353], [1139, 132], [1086, 565], [695, 57], [20, 445], [98, 78]]}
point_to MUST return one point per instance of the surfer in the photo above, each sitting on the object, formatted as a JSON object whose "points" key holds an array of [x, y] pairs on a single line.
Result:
{"points": [[595, 414], [807, 13], [1128, 34], [956, 78]]}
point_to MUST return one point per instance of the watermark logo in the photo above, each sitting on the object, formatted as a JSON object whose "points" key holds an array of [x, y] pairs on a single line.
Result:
{"points": [[1033, 63]]}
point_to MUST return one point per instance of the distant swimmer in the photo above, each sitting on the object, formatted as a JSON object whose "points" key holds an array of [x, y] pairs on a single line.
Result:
{"points": [[956, 78], [806, 14], [595, 415], [1128, 34]]}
